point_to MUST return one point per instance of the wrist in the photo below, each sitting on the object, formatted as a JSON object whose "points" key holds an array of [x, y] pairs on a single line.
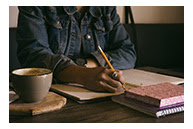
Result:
{"points": [[70, 75]]}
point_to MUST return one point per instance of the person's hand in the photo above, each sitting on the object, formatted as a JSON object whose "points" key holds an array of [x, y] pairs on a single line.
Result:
{"points": [[100, 79], [96, 79]]}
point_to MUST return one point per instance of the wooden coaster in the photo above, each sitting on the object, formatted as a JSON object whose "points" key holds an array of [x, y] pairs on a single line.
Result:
{"points": [[51, 102]]}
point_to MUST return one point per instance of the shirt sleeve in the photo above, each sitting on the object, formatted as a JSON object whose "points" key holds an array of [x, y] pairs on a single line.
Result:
{"points": [[33, 48], [120, 50]]}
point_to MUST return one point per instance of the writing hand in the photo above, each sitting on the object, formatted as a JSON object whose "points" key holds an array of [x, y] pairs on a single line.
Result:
{"points": [[96, 79], [100, 79]]}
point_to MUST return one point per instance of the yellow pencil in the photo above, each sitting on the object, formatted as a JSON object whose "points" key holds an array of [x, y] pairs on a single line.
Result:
{"points": [[106, 59], [104, 56]]}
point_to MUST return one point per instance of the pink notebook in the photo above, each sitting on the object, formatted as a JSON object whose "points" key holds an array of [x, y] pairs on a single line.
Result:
{"points": [[160, 95]]}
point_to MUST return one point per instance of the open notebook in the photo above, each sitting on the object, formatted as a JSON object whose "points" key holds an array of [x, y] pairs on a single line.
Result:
{"points": [[79, 93], [144, 78], [133, 77]]}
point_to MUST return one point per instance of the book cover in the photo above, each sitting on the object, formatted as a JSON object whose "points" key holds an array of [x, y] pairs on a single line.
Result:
{"points": [[160, 95], [147, 108]]}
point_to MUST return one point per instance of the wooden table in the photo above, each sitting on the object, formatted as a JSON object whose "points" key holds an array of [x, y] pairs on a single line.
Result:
{"points": [[99, 112]]}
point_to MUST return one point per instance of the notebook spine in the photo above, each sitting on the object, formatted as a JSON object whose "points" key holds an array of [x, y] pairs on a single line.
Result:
{"points": [[144, 99], [154, 101], [172, 100], [170, 111]]}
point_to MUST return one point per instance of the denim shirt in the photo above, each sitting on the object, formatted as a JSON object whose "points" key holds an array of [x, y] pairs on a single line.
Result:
{"points": [[48, 36]]}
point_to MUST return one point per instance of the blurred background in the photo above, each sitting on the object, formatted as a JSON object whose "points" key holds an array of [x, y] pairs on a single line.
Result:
{"points": [[141, 14]]}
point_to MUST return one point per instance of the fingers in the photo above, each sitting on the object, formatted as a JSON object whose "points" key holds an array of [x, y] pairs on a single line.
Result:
{"points": [[108, 83], [120, 77], [100, 79], [113, 83], [107, 87]]}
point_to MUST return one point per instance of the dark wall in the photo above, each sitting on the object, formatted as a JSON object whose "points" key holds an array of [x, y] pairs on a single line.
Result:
{"points": [[158, 45], [13, 61]]}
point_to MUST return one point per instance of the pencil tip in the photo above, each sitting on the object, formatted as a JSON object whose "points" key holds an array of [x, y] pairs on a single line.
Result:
{"points": [[99, 47]]}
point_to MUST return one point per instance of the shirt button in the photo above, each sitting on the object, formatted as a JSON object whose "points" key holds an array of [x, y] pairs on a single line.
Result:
{"points": [[88, 37]]}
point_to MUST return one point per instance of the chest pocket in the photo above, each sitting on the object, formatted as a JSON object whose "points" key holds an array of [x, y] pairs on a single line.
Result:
{"points": [[57, 30], [102, 28]]}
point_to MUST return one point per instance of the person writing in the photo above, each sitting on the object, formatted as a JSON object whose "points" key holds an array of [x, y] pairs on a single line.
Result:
{"points": [[64, 39]]}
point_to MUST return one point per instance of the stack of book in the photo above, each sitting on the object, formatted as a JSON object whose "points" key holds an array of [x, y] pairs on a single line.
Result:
{"points": [[156, 100]]}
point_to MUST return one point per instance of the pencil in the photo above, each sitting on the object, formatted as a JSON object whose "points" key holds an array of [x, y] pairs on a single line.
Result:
{"points": [[108, 62], [104, 56]]}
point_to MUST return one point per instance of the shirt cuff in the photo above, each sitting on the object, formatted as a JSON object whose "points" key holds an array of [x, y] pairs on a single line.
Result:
{"points": [[62, 64], [56, 63]]}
